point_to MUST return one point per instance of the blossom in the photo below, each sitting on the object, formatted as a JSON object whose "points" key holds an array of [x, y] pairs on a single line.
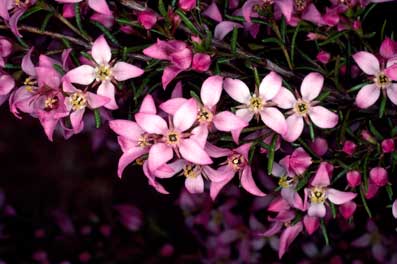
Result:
{"points": [[353, 178], [305, 107], [99, 6], [173, 137], [187, 5], [237, 162], [147, 18], [258, 104], [319, 192], [388, 145], [104, 72], [5, 50], [17, 8], [381, 76], [378, 176], [297, 162]]}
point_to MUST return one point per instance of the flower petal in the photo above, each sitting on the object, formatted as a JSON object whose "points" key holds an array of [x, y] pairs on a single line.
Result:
{"points": [[227, 121], [367, 62], [128, 157], [76, 119], [106, 89], [224, 28], [211, 90], [322, 117], [27, 64], [151, 123], [238, 90], [367, 96], [123, 71], [274, 119], [322, 177], [311, 86], [126, 128], [148, 106], [101, 51], [392, 93], [284, 99], [186, 115], [248, 182], [95, 101], [83, 74], [172, 105], [339, 197], [191, 151], [7, 83], [159, 154], [317, 209], [195, 184], [270, 86], [288, 236], [213, 12], [295, 126], [100, 6], [245, 114]]}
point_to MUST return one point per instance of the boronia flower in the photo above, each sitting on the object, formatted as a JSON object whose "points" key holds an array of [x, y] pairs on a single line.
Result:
{"points": [[16, 8], [319, 192], [381, 76], [305, 107], [105, 72], [258, 104], [99, 6]]}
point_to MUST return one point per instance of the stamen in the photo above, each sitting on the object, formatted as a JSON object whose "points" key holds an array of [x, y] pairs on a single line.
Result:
{"points": [[286, 181], [78, 101], [103, 73], [382, 81], [190, 171], [255, 104], [318, 195], [50, 103], [204, 115], [236, 161], [301, 107], [300, 4], [172, 138]]}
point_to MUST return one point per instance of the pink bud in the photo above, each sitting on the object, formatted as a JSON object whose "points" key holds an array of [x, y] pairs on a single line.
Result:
{"points": [[167, 250], [196, 39], [187, 5], [349, 147], [5, 47], [356, 25], [84, 257], [201, 62], [311, 224], [372, 190], [353, 178], [379, 176], [315, 36], [388, 145], [323, 57], [319, 146], [368, 137], [347, 209], [147, 19], [388, 48]]}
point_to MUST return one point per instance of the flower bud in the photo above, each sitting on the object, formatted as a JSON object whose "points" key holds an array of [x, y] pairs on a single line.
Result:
{"points": [[349, 147], [353, 178], [379, 176], [323, 57], [388, 145], [201, 62]]}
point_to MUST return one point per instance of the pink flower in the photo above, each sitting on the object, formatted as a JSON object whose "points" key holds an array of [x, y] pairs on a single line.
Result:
{"points": [[201, 62], [382, 77], [7, 83], [388, 48], [173, 137], [259, 103], [78, 101], [319, 192], [319, 146], [5, 50], [349, 147], [186, 5], [147, 18], [353, 178], [388, 145], [323, 57], [104, 72], [237, 162], [17, 8], [99, 6], [347, 209], [285, 6], [305, 107], [378, 176], [297, 162]]}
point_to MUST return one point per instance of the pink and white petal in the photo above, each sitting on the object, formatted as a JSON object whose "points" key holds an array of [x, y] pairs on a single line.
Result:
{"points": [[287, 237], [237, 90], [165, 171], [14, 19], [200, 135], [221, 174], [216, 152], [186, 115], [152, 182], [169, 74], [27, 64], [151, 123], [195, 184], [248, 183], [123, 71], [284, 99], [317, 210], [278, 171], [148, 106], [100, 6], [95, 101], [236, 134], [387, 48], [106, 88], [367, 96], [172, 105], [394, 209], [213, 12], [243, 150], [68, 87], [191, 151], [247, 9], [7, 83], [322, 117], [295, 126], [226, 121], [49, 125], [311, 224], [159, 154], [101, 50], [339, 197], [76, 119], [48, 77], [211, 90], [128, 157], [311, 86], [391, 72], [322, 177], [392, 93], [83, 74], [367, 62], [274, 229], [224, 28], [245, 114], [216, 187], [270, 86], [126, 128], [274, 119], [286, 7]]}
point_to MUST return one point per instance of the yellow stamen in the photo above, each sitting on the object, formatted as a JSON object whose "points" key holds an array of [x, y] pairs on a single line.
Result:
{"points": [[317, 195], [103, 73], [301, 107], [78, 101]]}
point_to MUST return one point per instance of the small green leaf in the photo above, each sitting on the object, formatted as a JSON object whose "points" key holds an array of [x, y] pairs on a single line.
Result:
{"points": [[270, 155], [97, 118], [187, 22], [362, 195], [324, 231], [233, 44], [382, 107]]}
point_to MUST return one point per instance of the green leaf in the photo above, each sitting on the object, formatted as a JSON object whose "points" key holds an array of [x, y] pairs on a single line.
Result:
{"points": [[389, 190], [333, 210], [106, 32], [233, 44], [58, 68], [374, 131], [293, 42], [357, 87], [187, 22], [97, 116], [45, 21], [382, 107], [364, 201], [162, 9], [324, 231], [270, 155]]}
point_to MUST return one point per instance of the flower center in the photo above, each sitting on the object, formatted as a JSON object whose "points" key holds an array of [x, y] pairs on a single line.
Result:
{"points": [[144, 141], [190, 171], [286, 181], [173, 138], [236, 161], [29, 83], [256, 104], [103, 72], [318, 195], [204, 115], [78, 101], [300, 4], [301, 107], [50, 103], [382, 81]]}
